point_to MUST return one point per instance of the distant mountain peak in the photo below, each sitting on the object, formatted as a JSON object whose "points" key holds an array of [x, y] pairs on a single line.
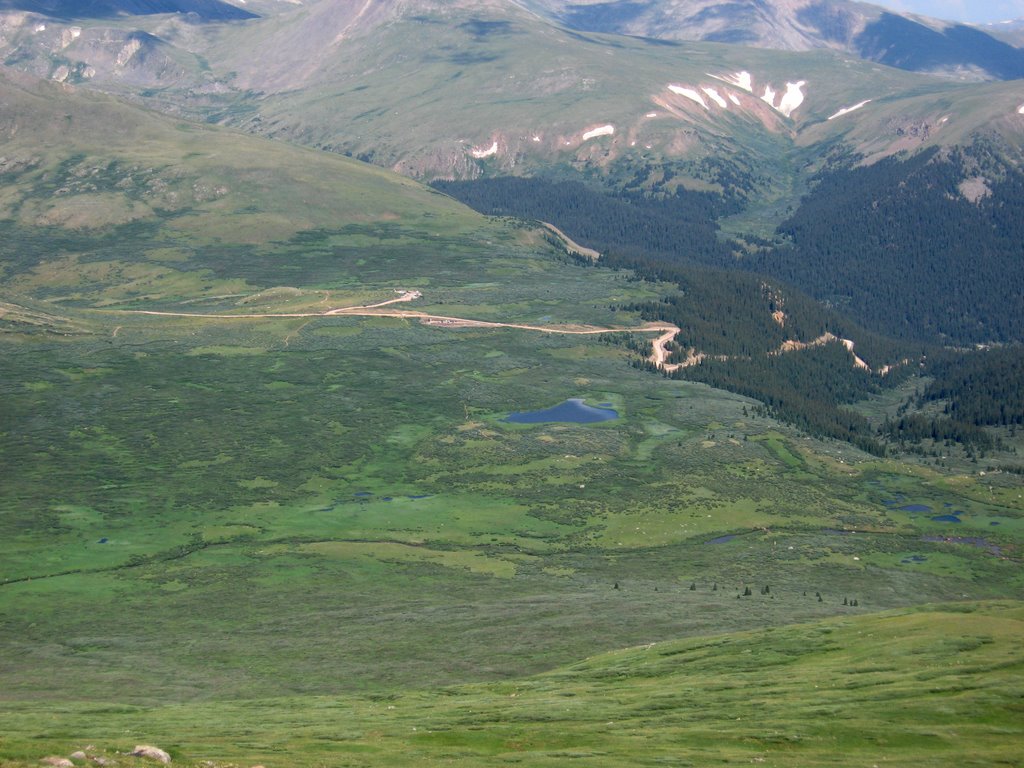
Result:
{"points": [[205, 10], [912, 42]]}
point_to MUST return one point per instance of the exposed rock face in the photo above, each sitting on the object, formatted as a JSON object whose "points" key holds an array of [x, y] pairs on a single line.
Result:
{"points": [[153, 753]]}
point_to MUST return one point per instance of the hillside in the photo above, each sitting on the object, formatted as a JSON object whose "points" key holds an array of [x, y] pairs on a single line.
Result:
{"points": [[105, 203], [932, 687], [341, 76]]}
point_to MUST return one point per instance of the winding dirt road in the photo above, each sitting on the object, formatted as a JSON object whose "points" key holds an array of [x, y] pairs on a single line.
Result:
{"points": [[382, 309]]}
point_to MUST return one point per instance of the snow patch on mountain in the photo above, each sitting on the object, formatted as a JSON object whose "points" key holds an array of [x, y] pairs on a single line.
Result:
{"points": [[1021, 110], [480, 154], [793, 97], [787, 103], [742, 80], [848, 110], [715, 97], [604, 130], [689, 93]]}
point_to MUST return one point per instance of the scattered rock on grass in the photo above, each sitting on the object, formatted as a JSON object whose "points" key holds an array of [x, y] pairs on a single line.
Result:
{"points": [[57, 762], [153, 753], [79, 755]]}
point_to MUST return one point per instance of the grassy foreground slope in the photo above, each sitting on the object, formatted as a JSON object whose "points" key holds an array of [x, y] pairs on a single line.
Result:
{"points": [[935, 686]]}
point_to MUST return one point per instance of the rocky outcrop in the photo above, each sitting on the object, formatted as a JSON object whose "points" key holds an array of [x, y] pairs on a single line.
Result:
{"points": [[153, 753]]}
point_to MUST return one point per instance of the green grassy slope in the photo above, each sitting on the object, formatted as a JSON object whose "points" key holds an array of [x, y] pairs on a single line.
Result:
{"points": [[239, 508], [938, 686], [200, 511], [103, 203]]}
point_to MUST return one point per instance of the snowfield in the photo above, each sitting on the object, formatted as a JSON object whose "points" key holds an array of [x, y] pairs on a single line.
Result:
{"points": [[848, 110], [793, 98], [604, 130], [742, 80], [480, 154], [689, 93], [715, 97], [790, 101]]}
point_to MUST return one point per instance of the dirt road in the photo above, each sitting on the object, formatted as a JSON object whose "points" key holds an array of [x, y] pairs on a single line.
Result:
{"points": [[658, 355]]}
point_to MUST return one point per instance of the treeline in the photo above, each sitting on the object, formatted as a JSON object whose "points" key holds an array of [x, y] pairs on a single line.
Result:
{"points": [[978, 389], [672, 227], [728, 316], [727, 312], [982, 388], [925, 248], [806, 388], [885, 244], [915, 428], [899, 246], [722, 312]]}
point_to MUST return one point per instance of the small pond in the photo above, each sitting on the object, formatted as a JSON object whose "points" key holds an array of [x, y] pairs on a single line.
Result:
{"points": [[947, 519], [915, 508], [572, 411]]}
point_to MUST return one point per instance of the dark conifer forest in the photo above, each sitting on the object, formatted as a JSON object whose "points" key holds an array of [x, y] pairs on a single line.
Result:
{"points": [[928, 248]]}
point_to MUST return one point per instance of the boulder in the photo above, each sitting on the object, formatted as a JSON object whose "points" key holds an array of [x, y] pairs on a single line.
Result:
{"points": [[79, 755], [153, 753], [57, 762]]}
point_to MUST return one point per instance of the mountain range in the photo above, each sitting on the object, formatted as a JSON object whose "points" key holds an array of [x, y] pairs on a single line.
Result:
{"points": [[863, 30], [489, 88]]}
